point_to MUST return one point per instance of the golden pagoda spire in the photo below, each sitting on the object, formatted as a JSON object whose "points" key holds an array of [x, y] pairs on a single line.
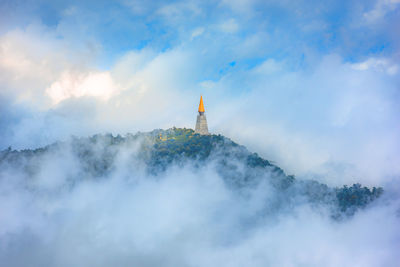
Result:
{"points": [[201, 105], [201, 122]]}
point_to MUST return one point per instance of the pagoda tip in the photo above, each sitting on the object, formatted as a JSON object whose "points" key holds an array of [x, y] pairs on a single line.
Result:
{"points": [[201, 105]]}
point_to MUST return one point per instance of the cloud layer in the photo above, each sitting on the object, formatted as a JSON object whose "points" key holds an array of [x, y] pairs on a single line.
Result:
{"points": [[58, 214]]}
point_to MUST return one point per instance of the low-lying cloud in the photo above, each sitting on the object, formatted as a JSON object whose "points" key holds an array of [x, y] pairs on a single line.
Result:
{"points": [[186, 216]]}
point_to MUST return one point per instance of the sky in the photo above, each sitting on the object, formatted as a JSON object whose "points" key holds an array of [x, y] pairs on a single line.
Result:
{"points": [[312, 86]]}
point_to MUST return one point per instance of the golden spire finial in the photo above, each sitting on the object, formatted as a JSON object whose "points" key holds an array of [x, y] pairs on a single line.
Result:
{"points": [[201, 105]]}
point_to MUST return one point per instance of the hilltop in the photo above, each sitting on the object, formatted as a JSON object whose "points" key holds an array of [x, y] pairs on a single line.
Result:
{"points": [[155, 152]]}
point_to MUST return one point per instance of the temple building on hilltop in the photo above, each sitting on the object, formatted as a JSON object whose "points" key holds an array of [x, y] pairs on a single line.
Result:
{"points": [[201, 123]]}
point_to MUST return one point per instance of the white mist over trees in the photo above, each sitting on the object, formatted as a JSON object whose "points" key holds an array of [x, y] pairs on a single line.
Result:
{"points": [[66, 205]]}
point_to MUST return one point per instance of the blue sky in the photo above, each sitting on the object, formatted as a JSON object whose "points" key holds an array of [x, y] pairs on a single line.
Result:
{"points": [[311, 85], [354, 29]]}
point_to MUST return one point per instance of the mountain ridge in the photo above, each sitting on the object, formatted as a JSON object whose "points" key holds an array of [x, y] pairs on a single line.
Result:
{"points": [[155, 152]]}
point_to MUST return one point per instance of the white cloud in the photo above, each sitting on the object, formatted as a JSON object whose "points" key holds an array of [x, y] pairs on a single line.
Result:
{"points": [[379, 11], [229, 26], [32, 59], [69, 85], [334, 122], [197, 32], [378, 64], [183, 217], [268, 67], [175, 12]]}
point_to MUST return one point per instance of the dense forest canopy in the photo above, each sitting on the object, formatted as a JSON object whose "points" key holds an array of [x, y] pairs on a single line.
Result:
{"points": [[155, 152]]}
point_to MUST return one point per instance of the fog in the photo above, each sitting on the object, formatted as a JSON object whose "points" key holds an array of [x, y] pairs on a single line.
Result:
{"points": [[61, 215]]}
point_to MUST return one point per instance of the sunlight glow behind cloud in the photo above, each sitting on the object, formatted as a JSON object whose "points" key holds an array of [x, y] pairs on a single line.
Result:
{"points": [[98, 85]]}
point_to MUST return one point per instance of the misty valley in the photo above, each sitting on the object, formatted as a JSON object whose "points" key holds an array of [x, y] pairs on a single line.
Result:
{"points": [[166, 197], [152, 154]]}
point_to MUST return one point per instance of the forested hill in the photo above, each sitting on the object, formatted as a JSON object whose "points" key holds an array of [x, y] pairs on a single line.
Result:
{"points": [[155, 152]]}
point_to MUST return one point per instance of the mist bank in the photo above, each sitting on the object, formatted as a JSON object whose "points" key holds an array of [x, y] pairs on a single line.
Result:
{"points": [[175, 198]]}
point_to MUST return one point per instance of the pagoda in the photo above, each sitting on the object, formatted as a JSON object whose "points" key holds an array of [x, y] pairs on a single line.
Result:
{"points": [[201, 122]]}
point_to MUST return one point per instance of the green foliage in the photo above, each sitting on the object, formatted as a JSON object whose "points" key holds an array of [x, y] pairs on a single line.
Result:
{"points": [[356, 196], [160, 149]]}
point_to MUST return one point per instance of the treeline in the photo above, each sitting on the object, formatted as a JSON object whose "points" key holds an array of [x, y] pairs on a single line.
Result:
{"points": [[160, 149]]}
